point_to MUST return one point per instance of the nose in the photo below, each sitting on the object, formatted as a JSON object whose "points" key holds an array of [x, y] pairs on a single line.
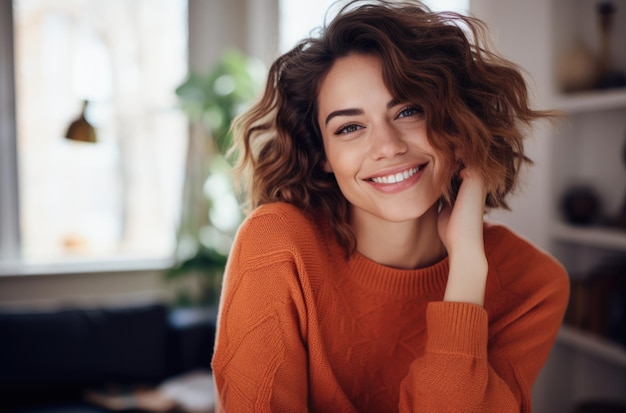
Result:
{"points": [[386, 143]]}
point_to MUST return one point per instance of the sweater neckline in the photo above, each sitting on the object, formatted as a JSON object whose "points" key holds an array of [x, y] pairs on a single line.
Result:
{"points": [[388, 280]]}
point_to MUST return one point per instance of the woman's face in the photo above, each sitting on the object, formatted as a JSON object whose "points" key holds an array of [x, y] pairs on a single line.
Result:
{"points": [[376, 147]]}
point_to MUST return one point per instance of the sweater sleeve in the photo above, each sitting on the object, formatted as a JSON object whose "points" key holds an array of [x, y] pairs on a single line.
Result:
{"points": [[472, 365], [259, 363]]}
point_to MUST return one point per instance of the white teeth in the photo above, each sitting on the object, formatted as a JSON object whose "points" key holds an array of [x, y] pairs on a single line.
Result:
{"points": [[395, 178]]}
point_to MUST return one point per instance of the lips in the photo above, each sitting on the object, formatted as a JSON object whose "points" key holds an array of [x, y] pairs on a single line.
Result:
{"points": [[397, 177]]}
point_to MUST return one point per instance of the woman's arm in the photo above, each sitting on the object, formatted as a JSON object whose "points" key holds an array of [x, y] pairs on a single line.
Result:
{"points": [[466, 367], [461, 231], [470, 365], [260, 361]]}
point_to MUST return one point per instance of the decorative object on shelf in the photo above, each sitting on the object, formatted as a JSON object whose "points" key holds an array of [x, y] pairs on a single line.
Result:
{"points": [[598, 302], [608, 76], [580, 205], [80, 129], [608, 302], [577, 69]]}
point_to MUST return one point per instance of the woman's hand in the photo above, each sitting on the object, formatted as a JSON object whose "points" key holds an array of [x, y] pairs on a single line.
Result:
{"points": [[461, 227], [461, 231]]}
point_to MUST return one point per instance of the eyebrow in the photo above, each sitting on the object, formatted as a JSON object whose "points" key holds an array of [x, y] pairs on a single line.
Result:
{"points": [[355, 111], [344, 112]]}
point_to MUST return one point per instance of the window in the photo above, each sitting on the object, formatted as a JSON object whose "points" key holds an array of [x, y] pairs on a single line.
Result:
{"points": [[120, 61], [299, 19], [459, 6]]}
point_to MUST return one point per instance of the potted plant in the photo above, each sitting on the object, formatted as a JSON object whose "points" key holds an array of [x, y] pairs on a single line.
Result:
{"points": [[210, 213]]}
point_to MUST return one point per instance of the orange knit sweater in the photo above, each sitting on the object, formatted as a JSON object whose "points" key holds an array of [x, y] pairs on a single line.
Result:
{"points": [[302, 329]]}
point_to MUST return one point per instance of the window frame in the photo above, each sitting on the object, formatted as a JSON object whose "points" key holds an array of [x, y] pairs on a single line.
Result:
{"points": [[9, 201], [11, 262]]}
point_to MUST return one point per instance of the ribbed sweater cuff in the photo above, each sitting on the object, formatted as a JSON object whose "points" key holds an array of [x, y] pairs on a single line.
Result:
{"points": [[459, 328]]}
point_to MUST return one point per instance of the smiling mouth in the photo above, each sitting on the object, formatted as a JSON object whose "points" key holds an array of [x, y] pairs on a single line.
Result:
{"points": [[397, 177]]}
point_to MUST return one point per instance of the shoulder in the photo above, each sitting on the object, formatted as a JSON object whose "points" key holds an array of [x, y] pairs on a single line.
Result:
{"points": [[277, 228], [509, 250], [278, 219], [280, 211], [520, 266]]}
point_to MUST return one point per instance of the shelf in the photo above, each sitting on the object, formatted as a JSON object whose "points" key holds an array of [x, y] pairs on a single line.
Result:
{"points": [[592, 100], [592, 345], [613, 239]]}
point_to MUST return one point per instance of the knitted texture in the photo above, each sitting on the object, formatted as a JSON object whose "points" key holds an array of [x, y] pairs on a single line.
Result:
{"points": [[303, 329]]}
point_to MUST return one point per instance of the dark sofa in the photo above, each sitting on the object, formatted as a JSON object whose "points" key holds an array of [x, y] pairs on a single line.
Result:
{"points": [[49, 358]]}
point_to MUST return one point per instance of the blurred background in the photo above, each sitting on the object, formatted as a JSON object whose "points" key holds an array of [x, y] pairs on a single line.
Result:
{"points": [[117, 208]]}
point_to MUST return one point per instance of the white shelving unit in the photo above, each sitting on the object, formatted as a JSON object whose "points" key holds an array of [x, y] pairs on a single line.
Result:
{"points": [[593, 237], [592, 101], [587, 151]]}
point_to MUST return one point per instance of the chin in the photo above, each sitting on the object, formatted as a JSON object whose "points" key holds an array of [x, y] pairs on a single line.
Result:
{"points": [[405, 213]]}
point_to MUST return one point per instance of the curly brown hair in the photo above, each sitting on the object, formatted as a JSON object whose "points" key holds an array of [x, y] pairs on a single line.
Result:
{"points": [[475, 102]]}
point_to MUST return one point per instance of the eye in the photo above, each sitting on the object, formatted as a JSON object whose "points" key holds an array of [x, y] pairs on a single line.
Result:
{"points": [[347, 129], [410, 111]]}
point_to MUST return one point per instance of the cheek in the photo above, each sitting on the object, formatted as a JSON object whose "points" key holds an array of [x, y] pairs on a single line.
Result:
{"points": [[327, 160], [444, 173], [335, 161], [343, 161]]}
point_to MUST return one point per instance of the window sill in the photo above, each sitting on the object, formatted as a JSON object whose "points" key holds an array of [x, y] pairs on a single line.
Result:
{"points": [[19, 268]]}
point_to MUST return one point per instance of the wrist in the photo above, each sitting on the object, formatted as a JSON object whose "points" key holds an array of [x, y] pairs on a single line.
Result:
{"points": [[467, 277], [469, 258]]}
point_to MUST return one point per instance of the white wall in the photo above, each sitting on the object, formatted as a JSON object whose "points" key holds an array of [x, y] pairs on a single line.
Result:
{"points": [[520, 31]]}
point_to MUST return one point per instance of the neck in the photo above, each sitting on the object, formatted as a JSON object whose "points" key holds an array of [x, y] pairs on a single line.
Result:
{"points": [[407, 245]]}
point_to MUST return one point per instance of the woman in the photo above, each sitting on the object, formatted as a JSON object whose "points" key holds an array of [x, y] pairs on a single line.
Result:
{"points": [[365, 279]]}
